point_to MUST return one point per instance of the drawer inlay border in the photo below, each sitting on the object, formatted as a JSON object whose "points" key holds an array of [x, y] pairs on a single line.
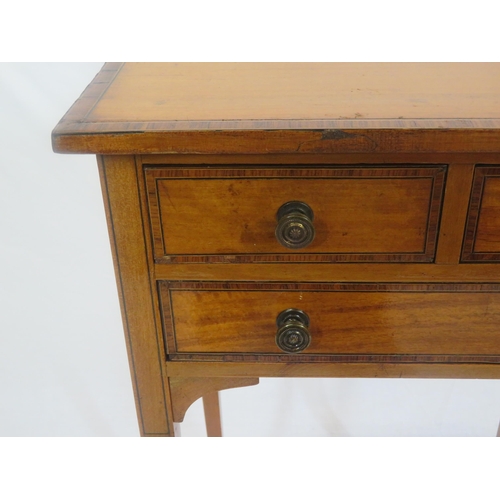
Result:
{"points": [[166, 287], [155, 174], [482, 174]]}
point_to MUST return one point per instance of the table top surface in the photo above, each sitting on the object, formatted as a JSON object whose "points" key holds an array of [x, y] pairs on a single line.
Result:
{"points": [[156, 98]]}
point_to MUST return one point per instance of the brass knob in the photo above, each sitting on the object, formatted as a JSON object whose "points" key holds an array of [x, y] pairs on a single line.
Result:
{"points": [[293, 334], [295, 227]]}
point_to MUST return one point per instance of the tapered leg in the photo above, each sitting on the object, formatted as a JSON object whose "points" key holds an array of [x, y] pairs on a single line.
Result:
{"points": [[212, 414], [136, 288], [498, 431]]}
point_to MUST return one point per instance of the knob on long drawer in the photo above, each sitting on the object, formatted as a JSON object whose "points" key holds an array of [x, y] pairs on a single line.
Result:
{"points": [[293, 334], [295, 227]]}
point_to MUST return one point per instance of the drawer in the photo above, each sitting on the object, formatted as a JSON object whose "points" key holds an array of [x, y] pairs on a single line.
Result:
{"points": [[482, 234], [341, 214], [358, 322]]}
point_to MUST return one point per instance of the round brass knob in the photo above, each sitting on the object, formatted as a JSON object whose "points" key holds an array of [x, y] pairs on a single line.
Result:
{"points": [[295, 227], [293, 334]]}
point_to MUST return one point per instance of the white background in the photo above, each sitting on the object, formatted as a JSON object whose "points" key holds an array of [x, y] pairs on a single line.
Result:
{"points": [[63, 363]]}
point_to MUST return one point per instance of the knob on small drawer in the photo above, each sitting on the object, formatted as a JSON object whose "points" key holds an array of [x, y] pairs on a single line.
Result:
{"points": [[295, 227], [293, 334]]}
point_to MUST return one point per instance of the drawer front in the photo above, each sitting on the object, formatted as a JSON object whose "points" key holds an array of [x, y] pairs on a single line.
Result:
{"points": [[347, 321], [482, 235], [363, 214]]}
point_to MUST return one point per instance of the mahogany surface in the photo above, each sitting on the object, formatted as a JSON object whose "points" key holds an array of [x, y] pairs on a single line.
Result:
{"points": [[365, 213], [482, 240], [401, 166], [345, 319]]}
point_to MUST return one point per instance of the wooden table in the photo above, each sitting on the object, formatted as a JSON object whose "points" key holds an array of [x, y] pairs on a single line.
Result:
{"points": [[296, 220]]}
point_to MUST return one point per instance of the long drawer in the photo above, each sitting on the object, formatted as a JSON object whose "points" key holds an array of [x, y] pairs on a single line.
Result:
{"points": [[341, 319]]}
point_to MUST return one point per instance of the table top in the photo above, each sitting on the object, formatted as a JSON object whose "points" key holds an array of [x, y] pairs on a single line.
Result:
{"points": [[181, 107]]}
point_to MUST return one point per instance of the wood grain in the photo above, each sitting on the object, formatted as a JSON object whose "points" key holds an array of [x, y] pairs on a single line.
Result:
{"points": [[345, 319], [144, 338], [323, 359], [482, 233], [314, 137], [488, 227], [456, 201], [186, 390], [286, 91], [387, 369], [368, 213], [401, 165], [211, 409], [317, 159], [285, 108], [340, 272]]}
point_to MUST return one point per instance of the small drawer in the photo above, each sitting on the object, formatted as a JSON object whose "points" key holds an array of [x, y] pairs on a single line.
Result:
{"points": [[295, 214], [357, 322], [482, 233]]}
